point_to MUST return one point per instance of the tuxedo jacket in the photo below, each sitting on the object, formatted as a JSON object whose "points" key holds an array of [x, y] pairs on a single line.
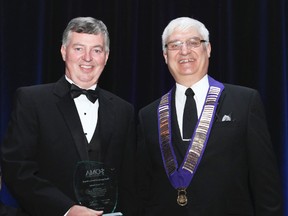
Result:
{"points": [[45, 140], [238, 173]]}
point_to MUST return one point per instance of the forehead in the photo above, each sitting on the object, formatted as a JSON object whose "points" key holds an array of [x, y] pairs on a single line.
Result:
{"points": [[179, 34], [86, 39]]}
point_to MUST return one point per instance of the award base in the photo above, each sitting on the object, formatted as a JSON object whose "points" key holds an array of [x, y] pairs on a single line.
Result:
{"points": [[113, 214]]}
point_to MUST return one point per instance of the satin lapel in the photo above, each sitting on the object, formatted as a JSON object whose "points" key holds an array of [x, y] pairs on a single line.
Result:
{"points": [[106, 120], [68, 109]]}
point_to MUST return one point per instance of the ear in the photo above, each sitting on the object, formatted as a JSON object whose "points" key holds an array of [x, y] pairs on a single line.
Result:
{"points": [[63, 52], [208, 49], [165, 56], [107, 56]]}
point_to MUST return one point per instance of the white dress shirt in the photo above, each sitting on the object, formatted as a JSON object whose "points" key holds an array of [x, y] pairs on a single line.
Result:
{"points": [[87, 111], [200, 90]]}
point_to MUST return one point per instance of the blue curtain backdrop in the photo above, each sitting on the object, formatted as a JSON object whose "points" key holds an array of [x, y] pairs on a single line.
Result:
{"points": [[248, 37]]}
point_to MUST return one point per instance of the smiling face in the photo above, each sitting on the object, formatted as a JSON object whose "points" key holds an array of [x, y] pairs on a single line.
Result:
{"points": [[187, 66], [85, 58]]}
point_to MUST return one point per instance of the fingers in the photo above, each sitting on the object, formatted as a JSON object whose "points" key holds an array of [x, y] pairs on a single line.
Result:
{"points": [[97, 213], [78, 210]]}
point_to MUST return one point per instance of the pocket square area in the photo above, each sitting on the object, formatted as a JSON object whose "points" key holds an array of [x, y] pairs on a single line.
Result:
{"points": [[226, 118]]}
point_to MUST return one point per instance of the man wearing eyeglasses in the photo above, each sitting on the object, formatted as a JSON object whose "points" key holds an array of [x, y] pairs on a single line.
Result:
{"points": [[204, 148]]}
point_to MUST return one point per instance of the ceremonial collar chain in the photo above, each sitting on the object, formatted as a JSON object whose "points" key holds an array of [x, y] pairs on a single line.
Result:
{"points": [[181, 177]]}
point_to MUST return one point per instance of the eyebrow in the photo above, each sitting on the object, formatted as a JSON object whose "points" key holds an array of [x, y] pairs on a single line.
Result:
{"points": [[175, 40], [79, 44]]}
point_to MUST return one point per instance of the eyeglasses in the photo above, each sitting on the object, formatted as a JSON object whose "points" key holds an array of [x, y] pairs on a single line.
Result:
{"points": [[191, 43]]}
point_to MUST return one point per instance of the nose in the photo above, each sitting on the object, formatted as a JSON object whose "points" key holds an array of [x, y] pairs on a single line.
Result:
{"points": [[185, 49], [87, 56]]}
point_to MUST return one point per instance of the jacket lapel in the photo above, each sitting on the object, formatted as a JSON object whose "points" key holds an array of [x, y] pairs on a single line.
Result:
{"points": [[219, 106], [68, 109], [106, 119]]}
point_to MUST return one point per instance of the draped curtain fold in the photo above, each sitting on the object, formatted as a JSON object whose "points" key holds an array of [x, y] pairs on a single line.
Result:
{"points": [[249, 47]]}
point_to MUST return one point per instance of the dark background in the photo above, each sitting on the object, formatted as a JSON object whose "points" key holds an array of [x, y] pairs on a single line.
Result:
{"points": [[248, 38]]}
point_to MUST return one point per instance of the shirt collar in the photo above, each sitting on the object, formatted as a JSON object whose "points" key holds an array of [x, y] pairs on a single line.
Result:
{"points": [[200, 90]]}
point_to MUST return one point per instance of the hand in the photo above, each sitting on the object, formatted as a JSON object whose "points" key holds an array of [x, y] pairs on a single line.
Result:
{"points": [[78, 210]]}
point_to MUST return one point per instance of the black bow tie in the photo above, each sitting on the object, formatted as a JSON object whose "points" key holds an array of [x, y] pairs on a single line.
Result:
{"points": [[75, 92]]}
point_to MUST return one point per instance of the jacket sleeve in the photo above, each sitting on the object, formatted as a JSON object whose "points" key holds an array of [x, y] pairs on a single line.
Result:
{"points": [[19, 162], [264, 174]]}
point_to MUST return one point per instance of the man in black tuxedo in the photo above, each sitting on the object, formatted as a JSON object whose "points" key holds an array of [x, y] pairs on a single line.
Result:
{"points": [[55, 126], [226, 165]]}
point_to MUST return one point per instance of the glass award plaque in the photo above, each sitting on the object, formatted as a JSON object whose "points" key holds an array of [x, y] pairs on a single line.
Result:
{"points": [[95, 186]]}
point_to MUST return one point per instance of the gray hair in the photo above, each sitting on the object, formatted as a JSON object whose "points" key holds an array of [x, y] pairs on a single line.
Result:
{"points": [[184, 23], [86, 25]]}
